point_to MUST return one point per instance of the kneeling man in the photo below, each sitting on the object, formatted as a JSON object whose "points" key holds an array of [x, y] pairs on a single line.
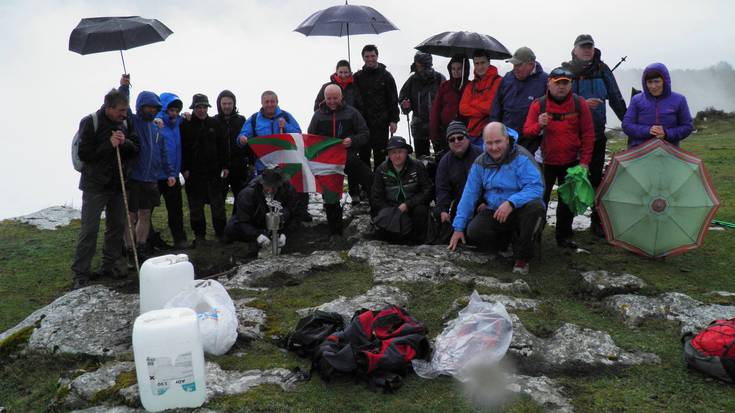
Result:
{"points": [[510, 182]]}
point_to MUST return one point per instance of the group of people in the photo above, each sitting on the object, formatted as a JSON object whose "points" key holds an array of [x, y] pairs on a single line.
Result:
{"points": [[500, 144]]}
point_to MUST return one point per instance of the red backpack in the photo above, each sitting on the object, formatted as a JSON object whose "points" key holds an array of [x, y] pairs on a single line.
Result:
{"points": [[377, 346], [712, 351]]}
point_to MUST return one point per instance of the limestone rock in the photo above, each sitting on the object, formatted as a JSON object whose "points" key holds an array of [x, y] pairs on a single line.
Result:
{"points": [[425, 263], [374, 298], [93, 320], [229, 382], [359, 227], [510, 303], [691, 315], [51, 217], [83, 388], [603, 284], [543, 391], [571, 349], [251, 321], [293, 266]]}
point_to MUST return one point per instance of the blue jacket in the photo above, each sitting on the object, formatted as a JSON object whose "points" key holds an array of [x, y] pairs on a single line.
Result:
{"points": [[669, 110], [171, 135], [267, 126], [514, 97], [597, 81], [152, 159], [515, 178]]}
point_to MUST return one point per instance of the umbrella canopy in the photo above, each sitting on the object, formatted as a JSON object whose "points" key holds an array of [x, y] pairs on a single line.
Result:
{"points": [[449, 44], [656, 200], [104, 34], [345, 20], [394, 221]]}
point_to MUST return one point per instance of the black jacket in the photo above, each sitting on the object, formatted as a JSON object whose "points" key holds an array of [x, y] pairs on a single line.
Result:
{"points": [[350, 95], [451, 175], [420, 89], [345, 122], [379, 96], [100, 172], [252, 207], [390, 188], [203, 149], [238, 159]]}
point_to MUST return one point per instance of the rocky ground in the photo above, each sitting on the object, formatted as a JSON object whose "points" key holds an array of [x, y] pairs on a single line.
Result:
{"points": [[96, 321]]}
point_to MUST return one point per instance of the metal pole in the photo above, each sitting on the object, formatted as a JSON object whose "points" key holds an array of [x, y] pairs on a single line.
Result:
{"points": [[349, 54], [125, 71]]}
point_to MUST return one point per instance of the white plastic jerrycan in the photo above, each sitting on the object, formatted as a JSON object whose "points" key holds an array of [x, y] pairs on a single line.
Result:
{"points": [[169, 359], [161, 278]]}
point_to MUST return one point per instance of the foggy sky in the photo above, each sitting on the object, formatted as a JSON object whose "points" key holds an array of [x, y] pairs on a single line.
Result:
{"points": [[250, 46]]}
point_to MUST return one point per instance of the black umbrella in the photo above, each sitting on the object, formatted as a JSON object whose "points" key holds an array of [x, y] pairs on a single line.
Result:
{"points": [[104, 34], [449, 44], [394, 221], [345, 20]]}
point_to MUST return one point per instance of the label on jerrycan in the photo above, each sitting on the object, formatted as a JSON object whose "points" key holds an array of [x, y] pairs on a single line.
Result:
{"points": [[163, 374]]}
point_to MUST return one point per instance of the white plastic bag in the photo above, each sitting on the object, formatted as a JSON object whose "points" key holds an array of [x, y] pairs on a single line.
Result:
{"points": [[216, 313], [481, 334]]}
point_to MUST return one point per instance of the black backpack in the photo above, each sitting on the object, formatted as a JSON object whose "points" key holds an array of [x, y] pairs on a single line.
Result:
{"points": [[311, 331]]}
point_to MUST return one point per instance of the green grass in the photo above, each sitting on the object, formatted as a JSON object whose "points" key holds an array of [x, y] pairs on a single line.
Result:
{"points": [[35, 269]]}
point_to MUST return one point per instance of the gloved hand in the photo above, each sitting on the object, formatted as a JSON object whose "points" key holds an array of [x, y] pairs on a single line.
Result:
{"points": [[263, 241], [281, 240]]}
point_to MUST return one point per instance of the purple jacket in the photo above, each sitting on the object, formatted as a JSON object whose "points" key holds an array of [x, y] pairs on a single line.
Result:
{"points": [[669, 110]]}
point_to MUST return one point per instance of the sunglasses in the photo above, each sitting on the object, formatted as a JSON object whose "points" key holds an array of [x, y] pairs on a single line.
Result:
{"points": [[453, 139]]}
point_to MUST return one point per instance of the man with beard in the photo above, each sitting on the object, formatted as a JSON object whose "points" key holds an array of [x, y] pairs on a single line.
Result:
{"points": [[240, 159], [380, 104], [594, 81], [417, 96]]}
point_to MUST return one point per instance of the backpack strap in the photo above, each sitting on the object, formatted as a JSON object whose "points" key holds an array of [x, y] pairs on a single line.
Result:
{"points": [[253, 120], [95, 121], [542, 104]]}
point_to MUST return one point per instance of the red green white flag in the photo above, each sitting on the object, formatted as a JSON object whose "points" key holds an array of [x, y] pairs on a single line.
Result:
{"points": [[313, 163]]}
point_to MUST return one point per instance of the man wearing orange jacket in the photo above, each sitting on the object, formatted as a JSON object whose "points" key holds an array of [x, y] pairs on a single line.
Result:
{"points": [[563, 122], [477, 98]]}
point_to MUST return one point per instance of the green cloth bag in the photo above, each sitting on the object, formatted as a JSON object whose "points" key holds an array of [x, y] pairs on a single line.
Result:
{"points": [[577, 191]]}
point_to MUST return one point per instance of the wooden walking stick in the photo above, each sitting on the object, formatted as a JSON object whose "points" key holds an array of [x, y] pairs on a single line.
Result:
{"points": [[127, 214]]}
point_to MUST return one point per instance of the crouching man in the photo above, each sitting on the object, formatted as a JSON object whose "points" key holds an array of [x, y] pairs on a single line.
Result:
{"points": [[249, 222], [400, 195], [510, 182]]}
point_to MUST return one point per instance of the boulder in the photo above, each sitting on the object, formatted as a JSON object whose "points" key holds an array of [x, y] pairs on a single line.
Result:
{"points": [[691, 315], [251, 321], [292, 266], [374, 298], [83, 389], [602, 283], [426, 263], [93, 320], [51, 217], [571, 349], [543, 390]]}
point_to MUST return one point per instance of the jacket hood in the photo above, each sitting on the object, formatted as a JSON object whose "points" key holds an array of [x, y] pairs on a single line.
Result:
{"points": [[146, 98], [226, 94], [660, 68], [168, 98]]}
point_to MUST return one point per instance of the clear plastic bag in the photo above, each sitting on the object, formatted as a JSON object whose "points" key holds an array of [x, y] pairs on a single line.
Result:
{"points": [[481, 334], [216, 313]]}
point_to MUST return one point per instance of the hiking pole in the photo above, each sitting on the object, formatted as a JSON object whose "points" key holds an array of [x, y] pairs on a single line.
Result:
{"points": [[622, 59], [127, 214], [408, 122]]}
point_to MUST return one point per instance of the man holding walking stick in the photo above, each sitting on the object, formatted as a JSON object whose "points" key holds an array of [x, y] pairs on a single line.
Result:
{"points": [[106, 139]]}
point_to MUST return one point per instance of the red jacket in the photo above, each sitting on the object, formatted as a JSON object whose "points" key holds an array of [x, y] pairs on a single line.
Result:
{"points": [[444, 109], [477, 99], [564, 140]]}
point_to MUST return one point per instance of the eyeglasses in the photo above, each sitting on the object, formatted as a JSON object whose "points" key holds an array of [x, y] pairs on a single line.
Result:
{"points": [[453, 139]]}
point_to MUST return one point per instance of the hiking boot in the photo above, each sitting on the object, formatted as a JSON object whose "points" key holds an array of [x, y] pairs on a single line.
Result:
{"points": [[520, 267], [80, 281], [180, 245], [566, 243], [129, 259], [144, 252], [306, 217], [198, 242], [110, 273]]}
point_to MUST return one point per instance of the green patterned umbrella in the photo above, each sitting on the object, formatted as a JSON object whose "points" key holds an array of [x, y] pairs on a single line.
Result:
{"points": [[656, 200]]}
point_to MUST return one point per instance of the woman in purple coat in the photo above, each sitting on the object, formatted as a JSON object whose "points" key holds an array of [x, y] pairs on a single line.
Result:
{"points": [[657, 112]]}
